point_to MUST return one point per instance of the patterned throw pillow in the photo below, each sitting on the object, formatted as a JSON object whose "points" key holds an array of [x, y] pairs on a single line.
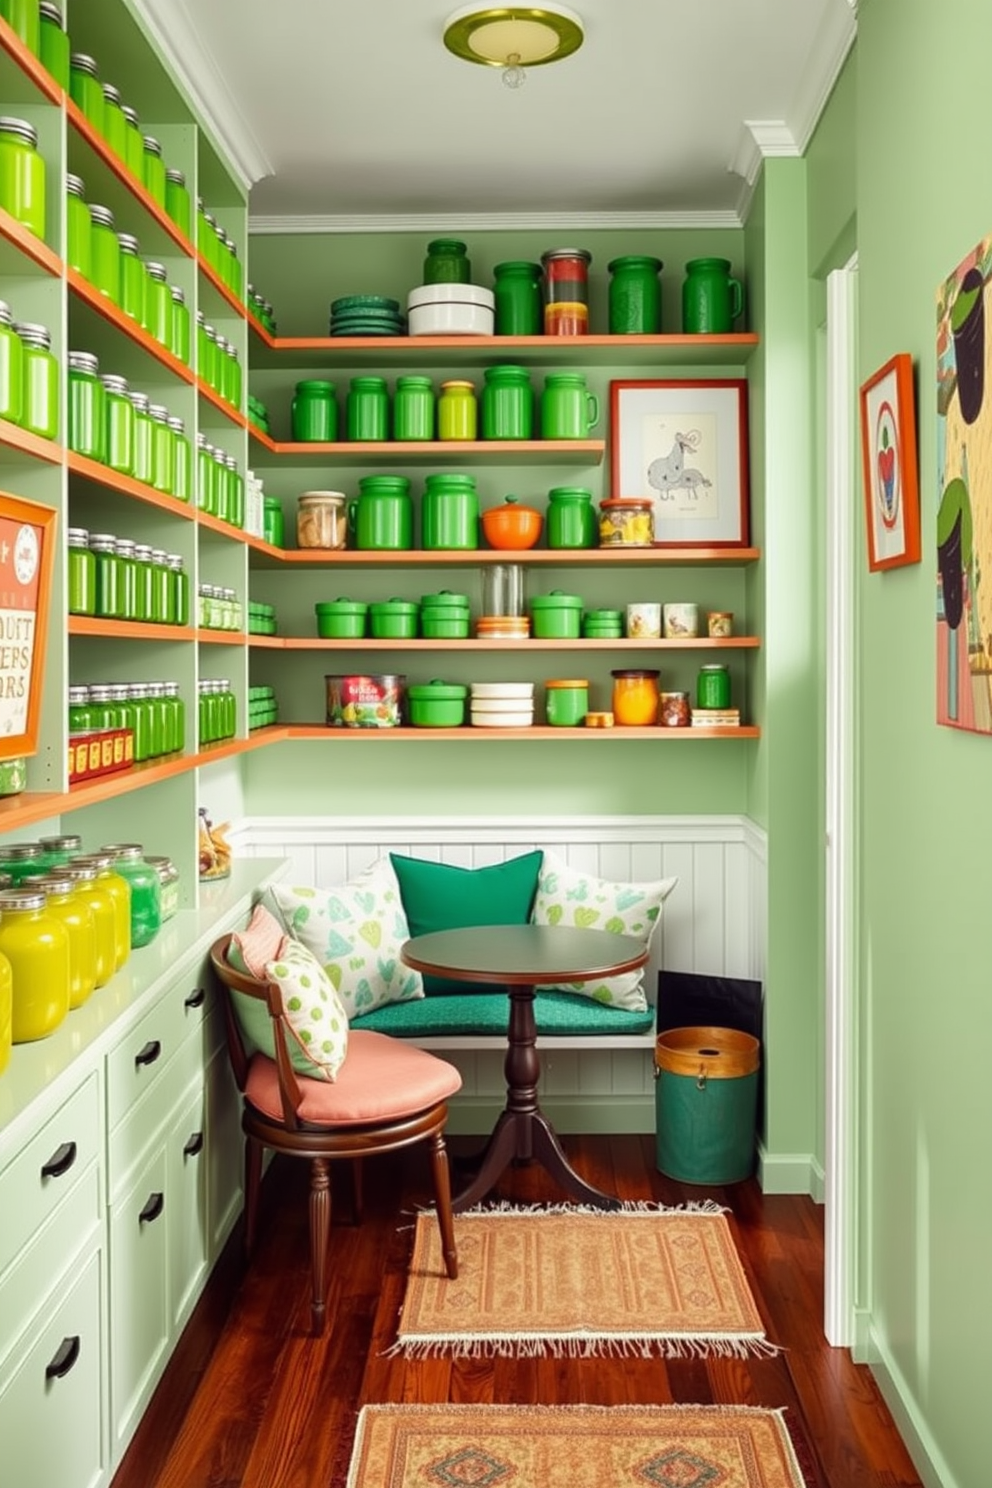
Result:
{"points": [[355, 930], [257, 943], [566, 896], [312, 1009]]}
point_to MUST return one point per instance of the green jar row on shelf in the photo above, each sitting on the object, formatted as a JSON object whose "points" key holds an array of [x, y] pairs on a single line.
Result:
{"points": [[217, 362], [263, 709], [218, 717], [261, 618], [22, 174], [218, 608], [124, 430], [115, 578], [218, 249], [220, 485], [29, 376], [262, 310], [154, 712]]}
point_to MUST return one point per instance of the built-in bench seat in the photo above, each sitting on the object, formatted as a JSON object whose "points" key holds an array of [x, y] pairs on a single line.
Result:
{"points": [[479, 1019]]}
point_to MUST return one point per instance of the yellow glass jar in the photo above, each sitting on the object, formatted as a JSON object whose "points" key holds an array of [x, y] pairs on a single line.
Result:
{"points": [[635, 697], [37, 946], [63, 900], [120, 892], [94, 895], [6, 1012]]}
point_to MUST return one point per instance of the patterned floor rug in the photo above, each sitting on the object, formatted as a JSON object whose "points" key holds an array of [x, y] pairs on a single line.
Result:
{"points": [[573, 1282], [636, 1446]]}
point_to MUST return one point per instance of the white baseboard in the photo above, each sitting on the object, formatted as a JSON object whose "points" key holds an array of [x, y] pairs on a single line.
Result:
{"points": [[927, 1456], [790, 1173]]}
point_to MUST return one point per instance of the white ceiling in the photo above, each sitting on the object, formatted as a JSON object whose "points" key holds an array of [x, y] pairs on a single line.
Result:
{"points": [[337, 110]]}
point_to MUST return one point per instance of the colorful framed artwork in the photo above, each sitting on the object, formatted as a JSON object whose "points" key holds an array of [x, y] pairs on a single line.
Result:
{"points": [[684, 445], [888, 450], [27, 550], [964, 512]]}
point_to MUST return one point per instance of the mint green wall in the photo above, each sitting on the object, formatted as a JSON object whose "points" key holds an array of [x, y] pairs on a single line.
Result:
{"points": [[923, 202], [831, 173]]}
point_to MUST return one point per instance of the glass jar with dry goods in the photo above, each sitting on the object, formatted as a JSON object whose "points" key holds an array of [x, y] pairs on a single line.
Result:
{"points": [[321, 519]]}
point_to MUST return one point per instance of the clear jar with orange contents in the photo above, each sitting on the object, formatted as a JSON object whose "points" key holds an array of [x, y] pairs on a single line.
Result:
{"points": [[635, 698], [566, 291]]}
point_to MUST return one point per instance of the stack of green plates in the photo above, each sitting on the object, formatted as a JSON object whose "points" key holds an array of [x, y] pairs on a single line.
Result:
{"points": [[366, 315]]}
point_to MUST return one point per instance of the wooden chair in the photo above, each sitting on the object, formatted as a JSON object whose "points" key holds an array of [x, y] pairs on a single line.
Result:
{"points": [[388, 1094]]}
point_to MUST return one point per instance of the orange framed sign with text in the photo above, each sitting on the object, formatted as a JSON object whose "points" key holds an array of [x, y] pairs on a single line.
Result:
{"points": [[27, 552]]}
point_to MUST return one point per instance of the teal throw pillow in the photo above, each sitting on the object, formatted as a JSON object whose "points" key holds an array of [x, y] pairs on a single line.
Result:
{"points": [[442, 896]]}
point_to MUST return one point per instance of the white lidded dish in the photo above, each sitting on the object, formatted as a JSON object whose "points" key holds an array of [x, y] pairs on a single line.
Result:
{"points": [[487, 719], [489, 691], [451, 310], [448, 294]]}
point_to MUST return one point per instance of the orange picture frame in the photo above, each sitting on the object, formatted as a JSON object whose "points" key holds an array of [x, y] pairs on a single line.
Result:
{"points": [[889, 463], [27, 555]]}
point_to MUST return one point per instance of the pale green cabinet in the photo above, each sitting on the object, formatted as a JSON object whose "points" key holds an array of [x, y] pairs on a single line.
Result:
{"points": [[186, 1186], [139, 1294]]}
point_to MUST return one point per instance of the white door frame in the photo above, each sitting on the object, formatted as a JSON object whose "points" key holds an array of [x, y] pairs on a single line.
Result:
{"points": [[842, 505]]}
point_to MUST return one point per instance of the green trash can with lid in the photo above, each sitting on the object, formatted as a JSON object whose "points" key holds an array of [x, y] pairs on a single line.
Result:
{"points": [[706, 1096]]}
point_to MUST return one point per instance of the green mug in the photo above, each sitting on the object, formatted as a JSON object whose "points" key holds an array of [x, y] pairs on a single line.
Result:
{"points": [[711, 299], [568, 409]]}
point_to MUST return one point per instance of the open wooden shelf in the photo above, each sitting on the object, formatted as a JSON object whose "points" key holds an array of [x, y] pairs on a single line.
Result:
{"points": [[126, 485], [537, 731], [264, 555], [89, 295], [14, 438], [29, 245], [526, 647], [128, 630], [30, 65], [502, 451]]}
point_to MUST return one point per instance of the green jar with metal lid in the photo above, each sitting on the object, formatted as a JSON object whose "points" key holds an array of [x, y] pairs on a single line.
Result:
{"points": [[21, 858], [134, 279], [120, 424], [163, 612], [105, 253], [146, 889], [141, 706], [571, 520], [102, 711], [80, 715], [168, 875], [179, 339], [413, 408], [210, 361], [87, 433], [114, 122], [11, 368], [23, 19], [206, 477], [183, 482], [81, 573], [178, 588], [273, 521], [22, 174], [635, 295], [142, 437], [158, 302], [94, 895], [54, 43], [175, 718], [40, 413], [124, 548], [134, 142], [177, 202], [153, 169], [78, 227], [517, 296], [143, 590], [85, 88], [109, 576], [60, 848], [713, 687], [163, 449]]}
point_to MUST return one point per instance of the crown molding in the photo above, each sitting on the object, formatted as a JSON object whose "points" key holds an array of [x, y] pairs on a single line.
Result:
{"points": [[178, 44], [834, 40], [493, 222], [759, 139]]}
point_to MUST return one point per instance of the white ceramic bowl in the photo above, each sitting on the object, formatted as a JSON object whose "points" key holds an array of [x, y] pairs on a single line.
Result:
{"points": [[488, 691], [448, 294], [486, 719], [452, 319]]}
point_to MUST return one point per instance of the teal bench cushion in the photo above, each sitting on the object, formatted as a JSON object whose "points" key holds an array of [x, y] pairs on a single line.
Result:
{"points": [[488, 1012]]}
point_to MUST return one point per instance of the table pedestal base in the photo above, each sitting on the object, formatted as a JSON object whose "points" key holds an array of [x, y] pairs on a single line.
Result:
{"points": [[523, 1133]]}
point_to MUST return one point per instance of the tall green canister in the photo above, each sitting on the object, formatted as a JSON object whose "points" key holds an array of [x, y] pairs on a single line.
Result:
{"points": [[706, 1096]]}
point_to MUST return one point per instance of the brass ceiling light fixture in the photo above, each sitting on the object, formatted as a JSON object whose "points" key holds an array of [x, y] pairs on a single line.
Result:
{"points": [[513, 37]]}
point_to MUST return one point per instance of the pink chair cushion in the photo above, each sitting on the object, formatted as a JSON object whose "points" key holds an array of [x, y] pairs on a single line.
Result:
{"points": [[382, 1079]]}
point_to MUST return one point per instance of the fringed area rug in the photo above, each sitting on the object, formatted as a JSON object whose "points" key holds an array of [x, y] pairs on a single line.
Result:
{"points": [[573, 1446], [572, 1282]]}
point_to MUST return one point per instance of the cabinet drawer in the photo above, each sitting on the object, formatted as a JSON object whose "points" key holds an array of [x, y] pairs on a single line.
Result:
{"points": [[142, 1124], [137, 1062], [43, 1172], [48, 1255], [50, 1398], [139, 1294]]}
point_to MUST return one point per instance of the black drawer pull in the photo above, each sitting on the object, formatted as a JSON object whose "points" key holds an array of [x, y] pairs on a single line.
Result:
{"points": [[196, 998], [194, 1145], [66, 1356], [153, 1208], [60, 1161], [149, 1053]]}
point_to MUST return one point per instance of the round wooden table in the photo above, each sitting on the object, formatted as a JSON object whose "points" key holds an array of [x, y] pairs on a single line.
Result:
{"points": [[521, 958]]}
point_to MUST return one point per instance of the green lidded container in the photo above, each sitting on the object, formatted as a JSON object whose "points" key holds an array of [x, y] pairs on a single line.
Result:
{"points": [[393, 619], [367, 410], [313, 412], [23, 18], [635, 296], [40, 413], [444, 616], [11, 368], [437, 704], [413, 408], [341, 619], [81, 575], [449, 512], [119, 415], [114, 122], [507, 403], [105, 253], [706, 1101], [712, 299], [179, 340], [382, 516], [78, 227], [134, 279], [571, 520], [22, 174], [517, 295], [87, 407], [85, 89], [177, 202], [556, 616], [54, 46], [566, 701], [146, 889], [135, 143], [153, 169], [713, 686]]}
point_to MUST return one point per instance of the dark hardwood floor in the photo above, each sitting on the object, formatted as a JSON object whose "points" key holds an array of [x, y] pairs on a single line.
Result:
{"points": [[250, 1400]]}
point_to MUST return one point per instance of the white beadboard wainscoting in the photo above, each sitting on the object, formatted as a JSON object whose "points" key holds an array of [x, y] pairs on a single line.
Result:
{"points": [[712, 923]]}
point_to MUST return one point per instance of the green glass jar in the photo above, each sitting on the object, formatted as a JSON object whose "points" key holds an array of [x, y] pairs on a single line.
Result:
{"points": [[120, 424], [158, 303], [78, 228], [54, 43], [223, 486], [64, 904], [177, 202], [517, 294], [114, 122], [124, 548], [206, 493], [507, 403], [144, 603], [99, 902], [179, 337], [105, 253], [168, 875], [134, 278], [23, 19], [102, 706], [231, 375], [11, 368], [80, 715], [635, 296], [87, 407], [134, 144], [713, 687], [153, 170], [210, 369], [81, 573], [22, 174], [18, 859], [109, 576], [160, 718], [37, 947], [313, 413], [163, 596], [183, 478], [274, 527], [140, 702], [61, 848], [178, 605], [40, 413], [368, 410], [201, 344], [447, 262], [142, 437], [236, 492], [85, 89], [457, 411], [163, 449], [413, 409], [175, 718], [146, 889], [571, 518]]}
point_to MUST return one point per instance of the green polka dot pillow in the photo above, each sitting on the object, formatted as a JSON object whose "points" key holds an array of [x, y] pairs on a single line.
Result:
{"points": [[313, 1011], [566, 896]]}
